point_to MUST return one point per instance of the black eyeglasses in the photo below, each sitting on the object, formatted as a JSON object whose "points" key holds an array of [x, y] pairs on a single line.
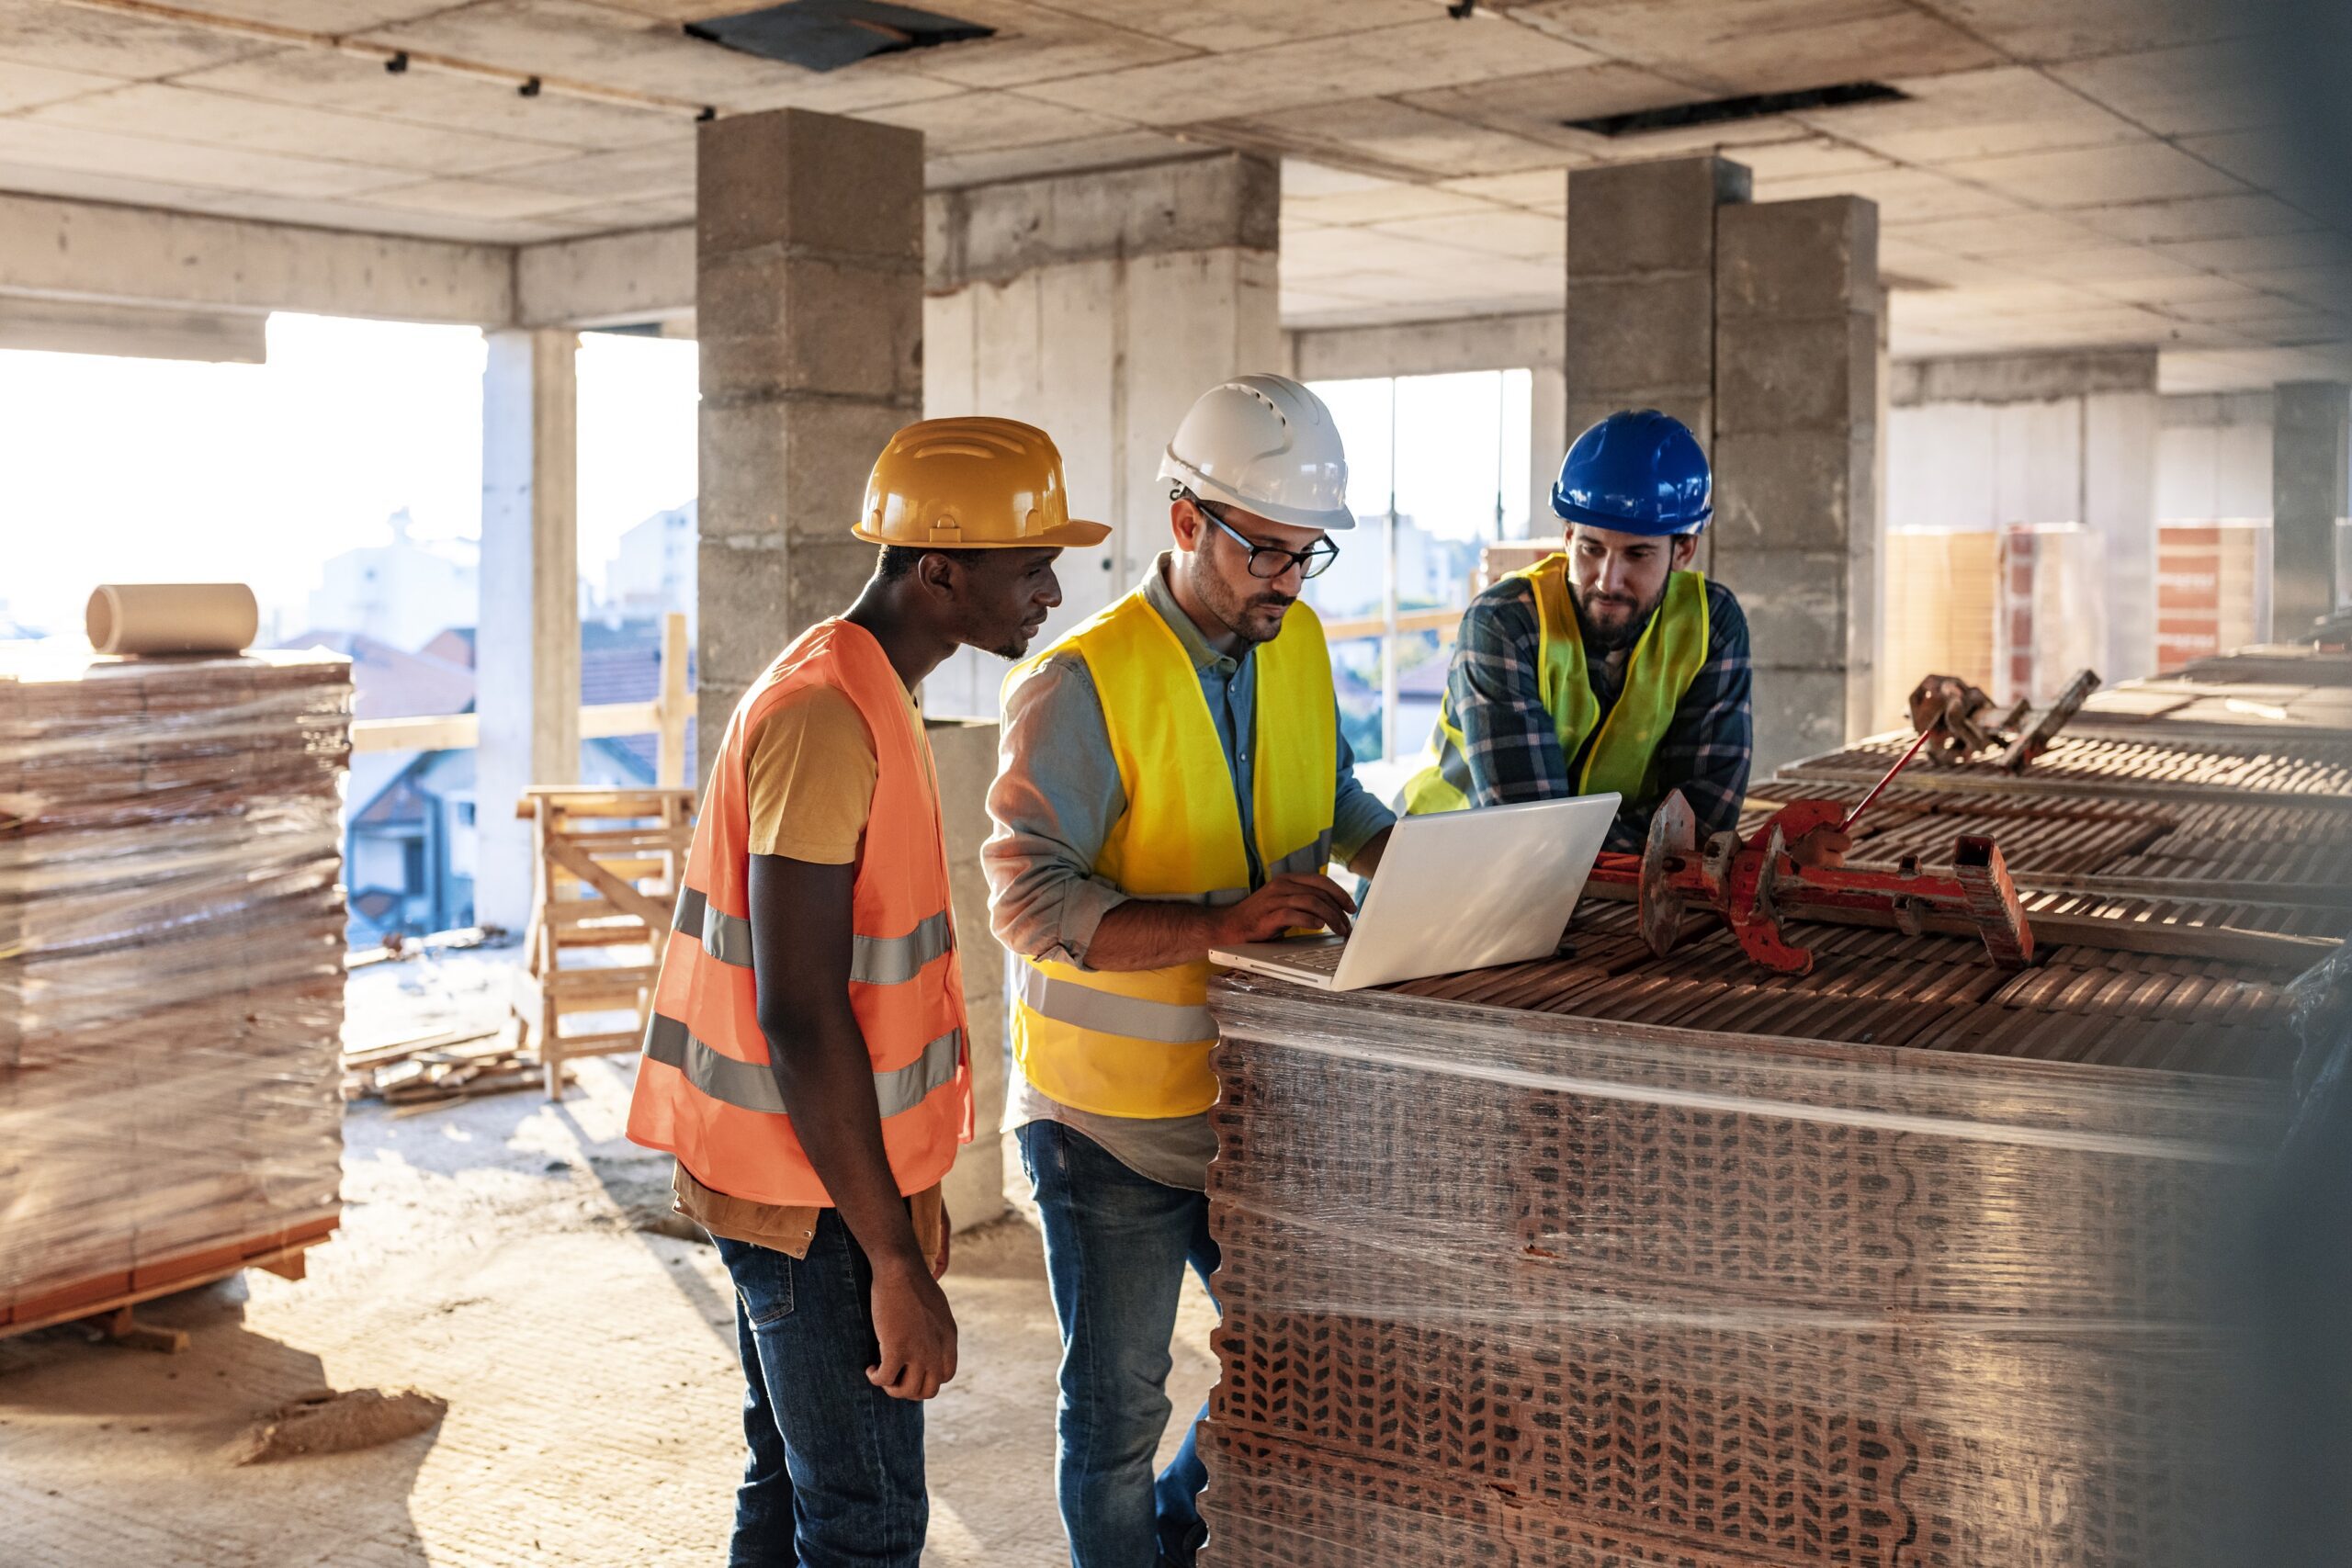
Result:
{"points": [[1271, 561]]}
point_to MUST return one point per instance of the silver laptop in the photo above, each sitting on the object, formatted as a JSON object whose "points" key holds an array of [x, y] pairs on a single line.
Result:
{"points": [[1457, 890]]}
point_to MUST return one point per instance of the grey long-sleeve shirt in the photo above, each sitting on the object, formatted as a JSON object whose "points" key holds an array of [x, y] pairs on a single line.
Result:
{"points": [[1057, 794]]}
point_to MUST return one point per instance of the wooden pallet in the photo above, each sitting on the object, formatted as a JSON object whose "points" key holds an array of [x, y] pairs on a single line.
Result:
{"points": [[282, 1253], [609, 866]]}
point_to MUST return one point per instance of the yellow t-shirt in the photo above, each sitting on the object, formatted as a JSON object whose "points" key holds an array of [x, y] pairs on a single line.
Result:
{"points": [[809, 769], [809, 772]]}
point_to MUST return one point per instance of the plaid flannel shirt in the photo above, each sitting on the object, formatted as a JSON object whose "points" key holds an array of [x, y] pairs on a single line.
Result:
{"points": [[1513, 747]]}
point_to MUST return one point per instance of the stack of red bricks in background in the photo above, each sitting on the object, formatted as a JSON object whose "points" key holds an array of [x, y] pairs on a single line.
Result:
{"points": [[171, 971], [2213, 589]]}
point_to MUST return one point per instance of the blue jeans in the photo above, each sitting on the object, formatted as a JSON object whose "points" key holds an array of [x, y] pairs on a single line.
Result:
{"points": [[1116, 1245], [836, 1477]]}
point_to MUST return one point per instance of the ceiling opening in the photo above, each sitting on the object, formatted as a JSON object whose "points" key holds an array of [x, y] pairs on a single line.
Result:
{"points": [[1723, 111], [825, 35]]}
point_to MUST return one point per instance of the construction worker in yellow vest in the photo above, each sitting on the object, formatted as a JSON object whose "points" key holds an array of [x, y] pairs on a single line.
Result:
{"points": [[1614, 665], [1173, 779], [805, 1060]]}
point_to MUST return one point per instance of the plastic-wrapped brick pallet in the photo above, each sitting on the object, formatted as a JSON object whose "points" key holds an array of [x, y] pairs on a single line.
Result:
{"points": [[1538, 1266], [171, 971]]}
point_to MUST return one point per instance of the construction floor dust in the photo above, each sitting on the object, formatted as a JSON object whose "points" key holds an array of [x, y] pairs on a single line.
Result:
{"points": [[338, 1422], [495, 1253]]}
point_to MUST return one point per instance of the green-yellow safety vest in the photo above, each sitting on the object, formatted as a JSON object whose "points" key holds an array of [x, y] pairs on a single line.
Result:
{"points": [[1667, 658]]}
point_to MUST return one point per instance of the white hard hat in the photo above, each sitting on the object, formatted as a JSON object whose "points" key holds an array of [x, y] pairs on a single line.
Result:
{"points": [[1266, 444]]}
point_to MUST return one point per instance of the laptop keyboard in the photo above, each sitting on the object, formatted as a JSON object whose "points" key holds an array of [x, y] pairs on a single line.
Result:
{"points": [[1317, 960]]}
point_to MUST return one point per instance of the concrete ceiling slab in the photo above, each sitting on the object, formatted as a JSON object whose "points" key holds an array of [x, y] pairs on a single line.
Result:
{"points": [[42, 32], [475, 198], [2099, 176], [219, 120], [1765, 46], [1973, 114], [423, 96], [1387, 137], [24, 86], [1418, 56], [1534, 105], [2192, 90], [984, 121], [178, 163], [2055, 171], [2071, 29]]}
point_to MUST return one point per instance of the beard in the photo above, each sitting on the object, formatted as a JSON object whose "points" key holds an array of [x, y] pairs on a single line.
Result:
{"points": [[1255, 618], [1614, 622]]}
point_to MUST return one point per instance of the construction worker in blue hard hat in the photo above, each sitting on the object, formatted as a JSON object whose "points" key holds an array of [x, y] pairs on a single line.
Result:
{"points": [[1614, 665]]}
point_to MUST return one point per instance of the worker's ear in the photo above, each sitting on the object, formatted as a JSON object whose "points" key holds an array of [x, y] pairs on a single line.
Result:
{"points": [[1686, 551], [1184, 522], [937, 573]]}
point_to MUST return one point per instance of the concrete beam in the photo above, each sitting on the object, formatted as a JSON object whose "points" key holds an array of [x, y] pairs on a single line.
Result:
{"points": [[646, 275], [1429, 348], [135, 332], [55, 248], [2021, 377], [991, 233]]}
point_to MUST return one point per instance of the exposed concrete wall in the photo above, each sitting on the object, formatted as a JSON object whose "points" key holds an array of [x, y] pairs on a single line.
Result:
{"points": [[966, 754], [2021, 377], [809, 288], [1428, 348], [2213, 456], [1098, 307], [2070, 437], [2309, 440], [134, 255], [527, 649], [1797, 369]]}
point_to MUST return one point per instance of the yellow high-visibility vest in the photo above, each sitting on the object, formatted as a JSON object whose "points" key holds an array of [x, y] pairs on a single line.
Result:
{"points": [[1672, 651], [1137, 1044]]}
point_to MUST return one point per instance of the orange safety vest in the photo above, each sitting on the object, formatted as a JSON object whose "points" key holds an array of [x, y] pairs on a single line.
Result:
{"points": [[704, 1089]]}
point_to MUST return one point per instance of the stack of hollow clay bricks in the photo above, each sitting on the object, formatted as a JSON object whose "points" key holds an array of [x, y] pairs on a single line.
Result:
{"points": [[1613, 1259], [171, 972]]}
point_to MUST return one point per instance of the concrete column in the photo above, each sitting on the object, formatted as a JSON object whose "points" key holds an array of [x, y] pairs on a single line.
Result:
{"points": [[966, 755], [1798, 366], [1547, 439], [527, 657], [808, 306], [1098, 307], [1641, 291], [2307, 498]]}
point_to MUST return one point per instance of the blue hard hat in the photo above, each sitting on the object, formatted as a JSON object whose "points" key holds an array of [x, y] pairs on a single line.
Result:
{"points": [[1637, 473]]}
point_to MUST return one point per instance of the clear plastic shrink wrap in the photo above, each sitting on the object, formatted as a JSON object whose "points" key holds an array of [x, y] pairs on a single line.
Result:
{"points": [[170, 969], [1613, 1260]]}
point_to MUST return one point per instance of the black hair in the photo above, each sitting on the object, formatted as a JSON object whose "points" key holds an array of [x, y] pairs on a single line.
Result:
{"points": [[899, 561]]}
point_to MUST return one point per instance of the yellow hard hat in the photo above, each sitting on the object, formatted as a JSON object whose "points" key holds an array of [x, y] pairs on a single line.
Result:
{"points": [[975, 483]]}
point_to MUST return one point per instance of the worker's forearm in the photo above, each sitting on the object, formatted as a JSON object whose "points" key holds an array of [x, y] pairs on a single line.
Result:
{"points": [[1149, 933], [1366, 861], [826, 1077]]}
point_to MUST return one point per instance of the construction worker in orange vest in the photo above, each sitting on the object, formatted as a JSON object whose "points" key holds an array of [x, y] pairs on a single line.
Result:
{"points": [[807, 1061]]}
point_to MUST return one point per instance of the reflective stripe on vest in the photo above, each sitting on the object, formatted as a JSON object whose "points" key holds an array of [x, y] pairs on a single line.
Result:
{"points": [[1136, 1043], [705, 1090], [873, 960], [1667, 658], [751, 1086]]}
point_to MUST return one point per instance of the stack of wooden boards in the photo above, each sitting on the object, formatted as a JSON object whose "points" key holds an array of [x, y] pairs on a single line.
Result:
{"points": [[1611, 1259], [171, 973]]}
